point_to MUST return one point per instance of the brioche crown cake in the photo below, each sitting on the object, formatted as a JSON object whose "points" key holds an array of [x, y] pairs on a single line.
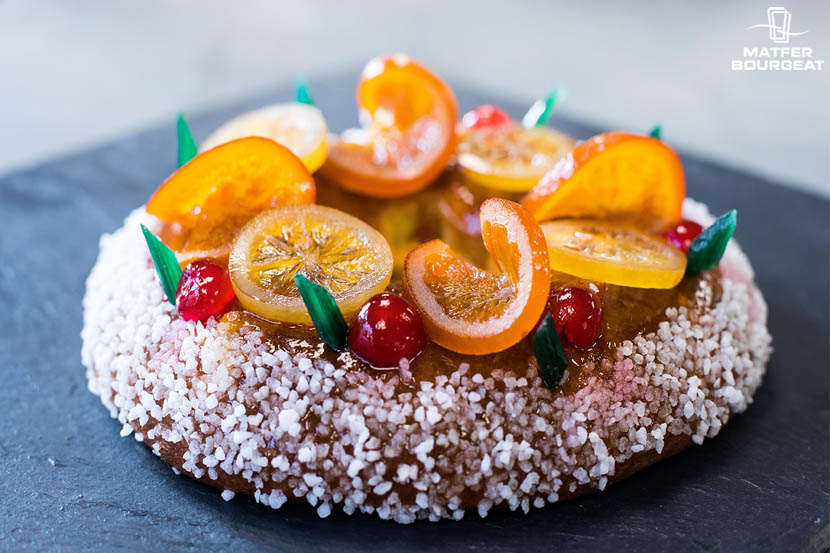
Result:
{"points": [[448, 316]]}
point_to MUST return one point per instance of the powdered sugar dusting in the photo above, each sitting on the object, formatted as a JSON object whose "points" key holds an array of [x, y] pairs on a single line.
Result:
{"points": [[229, 408]]}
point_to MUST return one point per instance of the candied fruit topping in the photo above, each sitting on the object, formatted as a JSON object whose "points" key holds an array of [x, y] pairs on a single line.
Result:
{"points": [[485, 117], [682, 234], [577, 314], [386, 330], [204, 290]]}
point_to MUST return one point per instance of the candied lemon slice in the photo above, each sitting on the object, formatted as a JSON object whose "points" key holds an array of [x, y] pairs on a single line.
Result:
{"points": [[469, 310], [331, 248], [600, 251], [510, 157], [299, 127]]}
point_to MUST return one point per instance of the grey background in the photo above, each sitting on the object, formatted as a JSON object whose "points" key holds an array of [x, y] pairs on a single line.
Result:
{"points": [[78, 73]]}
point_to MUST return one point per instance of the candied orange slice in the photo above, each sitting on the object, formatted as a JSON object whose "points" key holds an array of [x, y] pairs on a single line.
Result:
{"points": [[614, 175], [299, 127], [411, 116], [208, 200], [601, 251], [510, 157], [469, 310], [331, 248]]}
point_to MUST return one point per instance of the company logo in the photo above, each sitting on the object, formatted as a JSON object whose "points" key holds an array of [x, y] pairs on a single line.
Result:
{"points": [[778, 58], [778, 23]]}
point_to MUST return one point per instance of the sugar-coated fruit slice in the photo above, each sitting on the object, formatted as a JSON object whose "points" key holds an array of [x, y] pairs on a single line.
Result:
{"points": [[299, 127], [343, 254], [470, 310], [616, 175], [509, 157], [603, 251], [210, 198], [411, 115]]}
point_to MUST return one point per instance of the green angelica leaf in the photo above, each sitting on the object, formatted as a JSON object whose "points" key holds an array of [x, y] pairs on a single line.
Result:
{"points": [[541, 110], [707, 249], [303, 96], [656, 132], [550, 355], [167, 266], [326, 316], [187, 146]]}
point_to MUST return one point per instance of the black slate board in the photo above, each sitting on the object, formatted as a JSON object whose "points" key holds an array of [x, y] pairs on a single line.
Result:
{"points": [[68, 482]]}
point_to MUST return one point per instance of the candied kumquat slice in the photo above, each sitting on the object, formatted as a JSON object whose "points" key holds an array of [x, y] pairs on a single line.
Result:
{"points": [[602, 251], [410, 136], [510, 157], [299, 127], [209, 199], [329, 247], [469, 310], [616, 175]]}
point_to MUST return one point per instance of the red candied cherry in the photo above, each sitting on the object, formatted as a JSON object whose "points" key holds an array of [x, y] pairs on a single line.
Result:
{"points": [[577, 315], [204, 290], [386, 330], [682, 234], [485, 117]]}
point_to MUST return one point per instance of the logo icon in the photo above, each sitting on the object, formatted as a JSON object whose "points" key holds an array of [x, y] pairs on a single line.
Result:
{"points": [[778, 23]]}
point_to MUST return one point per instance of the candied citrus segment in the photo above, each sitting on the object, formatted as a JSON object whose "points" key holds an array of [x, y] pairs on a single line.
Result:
{"points": [[299, 127], [469, 310], [617, 175], [510, 157], [411, 116], [331, 248], [603, 251], [207, 201]]}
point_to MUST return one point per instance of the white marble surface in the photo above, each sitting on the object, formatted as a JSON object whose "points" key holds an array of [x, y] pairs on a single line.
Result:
{"points": [[76, 73]]}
